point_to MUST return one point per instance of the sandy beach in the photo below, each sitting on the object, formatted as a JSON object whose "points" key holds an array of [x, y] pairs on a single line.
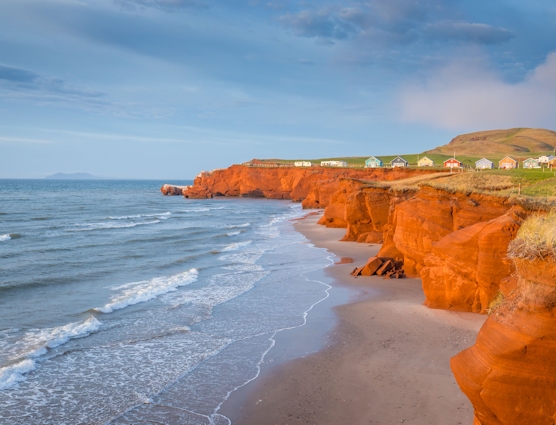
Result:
{"points": [[385, 361]]}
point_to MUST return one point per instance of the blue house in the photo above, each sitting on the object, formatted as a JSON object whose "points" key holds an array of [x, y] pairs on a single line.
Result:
{"points": [[399, 162], [483, 164], [373, 162]]}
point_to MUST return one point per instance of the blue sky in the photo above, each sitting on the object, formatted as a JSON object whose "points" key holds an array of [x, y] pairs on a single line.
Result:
{"points": [[167, 88]]}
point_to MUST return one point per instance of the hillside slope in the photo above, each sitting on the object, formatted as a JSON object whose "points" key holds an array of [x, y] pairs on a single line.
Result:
{"points": [[512, 141]]}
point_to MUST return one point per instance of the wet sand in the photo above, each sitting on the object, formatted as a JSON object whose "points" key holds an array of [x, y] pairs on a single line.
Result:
{"points": [[386, 360]]}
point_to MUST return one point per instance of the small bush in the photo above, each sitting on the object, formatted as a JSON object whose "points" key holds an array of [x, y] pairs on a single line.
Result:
{"points": [[536, 239]]}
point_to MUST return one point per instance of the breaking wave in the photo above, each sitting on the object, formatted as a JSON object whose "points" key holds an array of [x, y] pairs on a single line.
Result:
{"points": [[138, 292], [25, 353]]}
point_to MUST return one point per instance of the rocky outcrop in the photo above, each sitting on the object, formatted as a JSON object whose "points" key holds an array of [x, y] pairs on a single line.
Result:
{"points": [[463, 270], [456, 242], [169, 189], [424, 219], [361, 209], [388, 268], [315, 185], [509, 374]]}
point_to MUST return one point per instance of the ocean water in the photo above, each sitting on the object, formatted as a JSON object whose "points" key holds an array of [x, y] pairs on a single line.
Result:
{"points": [[121, 306]]}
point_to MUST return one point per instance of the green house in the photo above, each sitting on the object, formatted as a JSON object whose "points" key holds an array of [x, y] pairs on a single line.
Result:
{"points": [[373, 162], [531, 163]]}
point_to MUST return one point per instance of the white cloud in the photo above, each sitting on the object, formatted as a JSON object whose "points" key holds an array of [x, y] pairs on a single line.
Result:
{"points": [[467, 95]]}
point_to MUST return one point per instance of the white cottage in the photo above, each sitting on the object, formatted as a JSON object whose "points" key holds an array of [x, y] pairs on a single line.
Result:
{"points": [[483, 164], [302, 163], [334, 164], [545, 159]]}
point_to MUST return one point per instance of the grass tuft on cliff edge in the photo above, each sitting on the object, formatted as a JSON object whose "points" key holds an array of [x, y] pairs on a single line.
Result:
{"points": [[536, 239]]}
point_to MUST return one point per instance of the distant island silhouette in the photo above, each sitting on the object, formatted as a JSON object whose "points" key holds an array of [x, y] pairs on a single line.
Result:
{"points": [[73, 176]]}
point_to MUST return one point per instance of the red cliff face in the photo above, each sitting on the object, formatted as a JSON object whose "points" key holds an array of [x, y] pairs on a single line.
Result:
{"points": [[510, 374], [464, 269], [315, 184], [455, 242], [344, 194], [431, 215]]}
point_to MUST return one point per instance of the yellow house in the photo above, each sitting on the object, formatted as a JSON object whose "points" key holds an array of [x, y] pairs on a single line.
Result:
{"points": [[425, 162]]}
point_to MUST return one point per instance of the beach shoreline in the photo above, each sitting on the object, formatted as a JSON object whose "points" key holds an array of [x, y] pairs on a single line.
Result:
{"points": [[384, 360]]}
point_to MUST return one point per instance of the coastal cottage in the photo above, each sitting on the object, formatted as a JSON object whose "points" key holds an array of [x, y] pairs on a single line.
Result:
{"points": [[483, 164], [552, 163], [399, 162], [260, 163], [452, 163], [425, 162], [302, 163], [334, 164], [531, 163], [373, 162], [507, 163], [545, 159]]}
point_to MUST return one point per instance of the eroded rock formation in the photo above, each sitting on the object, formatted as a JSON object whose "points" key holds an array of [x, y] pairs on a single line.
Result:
{"points": [[313, 185], [455, 242], [510, 374], [464, 270], [169, 189], [431, 215]]}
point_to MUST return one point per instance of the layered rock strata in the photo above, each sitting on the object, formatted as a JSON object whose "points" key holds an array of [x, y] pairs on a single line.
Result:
{"points": [[510, 374], [464, 270], [456, 242]]}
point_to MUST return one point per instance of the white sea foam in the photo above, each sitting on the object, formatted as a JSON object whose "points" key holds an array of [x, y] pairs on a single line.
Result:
{"points": [[26, 351], [162, 216], [233, 233], [108, 225], [234, 226], [236, 246], [138, 292], [220, 289], [11, 375], [5, 237], [202, 209]]}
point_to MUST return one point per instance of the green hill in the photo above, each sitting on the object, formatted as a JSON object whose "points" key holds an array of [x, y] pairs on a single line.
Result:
{"points": [[521, 142]]}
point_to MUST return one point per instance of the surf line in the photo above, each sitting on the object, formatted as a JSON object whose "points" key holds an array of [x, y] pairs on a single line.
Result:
{"points": [[272, 340]]}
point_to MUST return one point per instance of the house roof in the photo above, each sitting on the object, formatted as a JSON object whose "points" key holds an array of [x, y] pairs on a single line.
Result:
{"points": [[531, 159], [373, 158], [425, 158], [398, 158], [507, 157], [484, 159], [451, 160]]}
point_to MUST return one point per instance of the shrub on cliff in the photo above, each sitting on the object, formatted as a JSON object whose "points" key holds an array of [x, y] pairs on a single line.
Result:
{"points": [[536, 239]]}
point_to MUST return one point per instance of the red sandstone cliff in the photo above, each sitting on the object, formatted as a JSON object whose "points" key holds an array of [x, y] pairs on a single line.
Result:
{"points": [[509, 374], [433, 214], [455, 242], [315, 185], [464, 270]]}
